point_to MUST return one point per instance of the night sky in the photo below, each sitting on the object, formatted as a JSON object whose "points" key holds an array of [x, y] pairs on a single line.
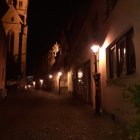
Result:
{"points": [[45, 21]]}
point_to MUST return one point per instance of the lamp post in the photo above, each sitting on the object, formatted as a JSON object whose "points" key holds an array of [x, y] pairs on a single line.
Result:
{"points": [[96, 76], [59, 74]]}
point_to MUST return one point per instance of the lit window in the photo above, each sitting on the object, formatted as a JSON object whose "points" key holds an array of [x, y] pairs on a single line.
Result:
{"points": [[121, 56]]}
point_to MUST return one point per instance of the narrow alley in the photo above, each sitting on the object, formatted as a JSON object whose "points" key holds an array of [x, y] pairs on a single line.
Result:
{"points": [[40, 115]]}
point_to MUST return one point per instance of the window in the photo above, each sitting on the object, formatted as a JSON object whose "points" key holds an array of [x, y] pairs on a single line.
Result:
{"points": [[121, 56], [20, 4], [10, 38], [10, 2], [12, 19], [112, 61]]}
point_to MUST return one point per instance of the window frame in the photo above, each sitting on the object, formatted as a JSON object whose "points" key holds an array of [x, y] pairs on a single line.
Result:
{"points": [[124, 62]]}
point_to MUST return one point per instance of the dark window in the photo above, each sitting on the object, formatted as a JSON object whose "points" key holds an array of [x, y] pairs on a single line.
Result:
{"points": [[10, 2], [112, 61], [20, 4], [121, 56], [10, 38], [12, 19]]}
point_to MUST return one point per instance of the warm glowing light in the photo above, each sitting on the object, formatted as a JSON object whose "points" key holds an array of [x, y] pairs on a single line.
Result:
{"points": [[29, 86], [50, 76], [80, 74], [34, 83], [95, 48], [106, 42], [124, 51], [41, 82], [59, 73], [25, 86], [102, 54], [79, 80]]}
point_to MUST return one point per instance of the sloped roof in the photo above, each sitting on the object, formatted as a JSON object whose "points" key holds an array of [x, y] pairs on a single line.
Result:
{"points": [[12, 13]]}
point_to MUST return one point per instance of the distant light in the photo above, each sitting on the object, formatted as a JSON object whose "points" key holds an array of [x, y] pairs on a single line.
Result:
{"points": [[79, 80], [59, 73], [25, 86], [80, 74], [124, 51], [41, 81], [50, 76], [34, 83]]}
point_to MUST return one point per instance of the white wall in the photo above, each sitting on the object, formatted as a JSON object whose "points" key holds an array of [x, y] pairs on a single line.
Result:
{"points": [[126, 14]]}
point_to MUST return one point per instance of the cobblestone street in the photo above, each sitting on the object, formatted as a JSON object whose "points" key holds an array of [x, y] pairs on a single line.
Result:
{"points": [[41, 115]]}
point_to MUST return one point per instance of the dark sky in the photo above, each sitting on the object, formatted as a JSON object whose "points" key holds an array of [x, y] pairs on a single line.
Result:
{"points": [[45, 21]]}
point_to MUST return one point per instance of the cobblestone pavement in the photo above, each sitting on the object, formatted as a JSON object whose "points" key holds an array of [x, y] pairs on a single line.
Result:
{"points": [[40, 115]]}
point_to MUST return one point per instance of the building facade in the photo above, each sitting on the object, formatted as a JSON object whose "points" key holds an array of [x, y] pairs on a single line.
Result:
{"points": [[118, 56], [2, 60], [15, 25], [116, 29]]}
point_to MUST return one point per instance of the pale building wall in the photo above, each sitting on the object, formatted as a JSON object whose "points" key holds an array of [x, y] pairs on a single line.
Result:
{"points": [[69, 81], [125, 15]]}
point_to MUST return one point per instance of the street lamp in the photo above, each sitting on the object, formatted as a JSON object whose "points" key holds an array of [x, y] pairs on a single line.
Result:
{"points": [[50, 76], [34, 83], [50, 82], [59, 74], [96, 76], [41, 82]]}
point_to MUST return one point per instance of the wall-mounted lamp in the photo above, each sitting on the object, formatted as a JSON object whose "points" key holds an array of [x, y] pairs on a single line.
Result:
{"points": [[95, 48], [59, 73]]}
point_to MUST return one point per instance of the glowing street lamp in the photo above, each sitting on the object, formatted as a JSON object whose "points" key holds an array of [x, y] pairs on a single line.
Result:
{"points": [[95, 49], [59, 74], [80, 74], [41, 82], [50, 76], [34, 84]]}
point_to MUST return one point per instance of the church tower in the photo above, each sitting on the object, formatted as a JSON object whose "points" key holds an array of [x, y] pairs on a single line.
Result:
{"points": [[15, 24]]}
